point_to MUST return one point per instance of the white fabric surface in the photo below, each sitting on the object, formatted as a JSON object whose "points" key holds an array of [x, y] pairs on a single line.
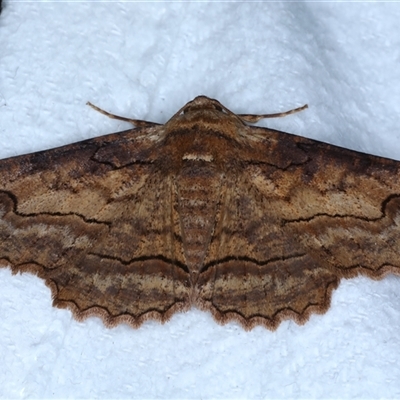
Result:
{"points": [[145, 60]]}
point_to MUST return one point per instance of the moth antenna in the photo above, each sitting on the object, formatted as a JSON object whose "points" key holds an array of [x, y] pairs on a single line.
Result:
{"points": [[137, 122], [252, 118]]}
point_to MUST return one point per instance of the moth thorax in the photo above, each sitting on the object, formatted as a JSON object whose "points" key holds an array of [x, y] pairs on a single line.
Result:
{"points": [[204, 156]]}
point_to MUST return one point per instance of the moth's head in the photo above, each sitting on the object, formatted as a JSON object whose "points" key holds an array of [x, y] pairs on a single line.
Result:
{"points": [[206, 115], [202, 103]]}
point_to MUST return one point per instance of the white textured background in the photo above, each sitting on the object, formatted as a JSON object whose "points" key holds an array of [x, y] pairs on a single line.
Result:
{"points": [[145, 60]]}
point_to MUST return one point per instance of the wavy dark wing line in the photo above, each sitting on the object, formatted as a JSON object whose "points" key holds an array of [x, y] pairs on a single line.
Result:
{"points": [[296, 221], [96, 227]]}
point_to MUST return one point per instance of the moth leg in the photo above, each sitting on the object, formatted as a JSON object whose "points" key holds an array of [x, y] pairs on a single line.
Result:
{"points": [[252, 118], [137, 122]]}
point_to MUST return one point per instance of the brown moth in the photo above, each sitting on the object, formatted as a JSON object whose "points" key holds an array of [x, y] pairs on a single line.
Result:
{"points": [[252, 224]]}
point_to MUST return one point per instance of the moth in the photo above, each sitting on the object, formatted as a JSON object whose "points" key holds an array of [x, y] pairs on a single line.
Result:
{"points": [[207, 211]]}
